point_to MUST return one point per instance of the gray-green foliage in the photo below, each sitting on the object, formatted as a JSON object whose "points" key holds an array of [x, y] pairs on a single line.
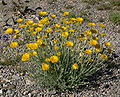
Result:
{"points": [[114, 16]]}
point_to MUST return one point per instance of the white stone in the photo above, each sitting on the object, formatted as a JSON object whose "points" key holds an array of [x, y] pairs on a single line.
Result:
{"points": [[0, 91]]}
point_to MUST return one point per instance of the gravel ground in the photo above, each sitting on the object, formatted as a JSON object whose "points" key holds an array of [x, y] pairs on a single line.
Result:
{"points": [[17, 84]]}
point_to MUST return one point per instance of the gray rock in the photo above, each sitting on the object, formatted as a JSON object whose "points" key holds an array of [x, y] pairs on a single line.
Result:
{"points": [[12, 86], [1, 91], [26, 92], [2, 24], [10, 21], [30, 95], [1, 19], [16, 77], [29, 82]]}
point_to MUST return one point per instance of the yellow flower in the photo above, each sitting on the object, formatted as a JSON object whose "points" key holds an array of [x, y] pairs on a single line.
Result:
{"points": [[93, 42], [113, 47], [37, 71], [43, 52], [67, 26], [98, 50], [8, 55], [75, 66], [39, 36], [65, 13], [29, 53], [58, 30], [39, 41], [58, 53], [57, 25], [45, 36], [25, 57], [28, 31], [30, 74], [56, 47], [32, 45], [31, 29], [63, 28], [17, 36], [53, 16], [88, 51], [107, 43], [102, 34], [45, 66], [91, 24], [19, 20], [65, 34], [73, 50], [34, 33], [34, 24], [103, 56], [72, 19], [79, 19], [14, 44], [102, 26], [47, 60], [44, 20], [78, 23], [30, 22], [71, 31], [54, 59], [66, 22], [55, 41], [88, 33], [86, 38], [69, 43], [38, 29], [41, 25], [16, 31], [81, 39], [22, 26], [49, 30], [34, 53], [9, 30], [91, 60], [43, 13]]}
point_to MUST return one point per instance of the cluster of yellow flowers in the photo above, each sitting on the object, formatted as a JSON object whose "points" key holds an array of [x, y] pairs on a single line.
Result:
{"points": [[52, 34]]}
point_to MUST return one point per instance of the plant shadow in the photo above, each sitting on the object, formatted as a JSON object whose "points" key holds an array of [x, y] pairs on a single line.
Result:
{"points": [[99, 77]]}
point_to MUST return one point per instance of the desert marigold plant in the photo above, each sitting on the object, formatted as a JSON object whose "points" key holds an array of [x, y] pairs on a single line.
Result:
{"points": [[59, 53]]}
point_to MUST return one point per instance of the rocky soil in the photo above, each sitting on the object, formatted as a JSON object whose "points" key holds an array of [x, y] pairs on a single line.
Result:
{"points": [[14, 81]]}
